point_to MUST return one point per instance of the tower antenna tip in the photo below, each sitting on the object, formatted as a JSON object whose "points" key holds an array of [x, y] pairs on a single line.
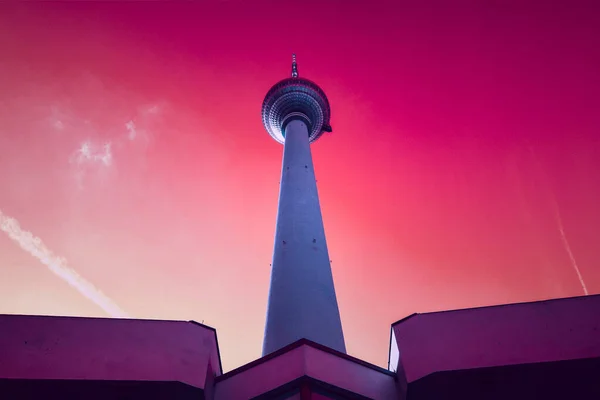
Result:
{"points": [[294, 66]]}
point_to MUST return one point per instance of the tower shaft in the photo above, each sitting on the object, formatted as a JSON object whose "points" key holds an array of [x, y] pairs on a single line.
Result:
{"points": [[302, 301]]}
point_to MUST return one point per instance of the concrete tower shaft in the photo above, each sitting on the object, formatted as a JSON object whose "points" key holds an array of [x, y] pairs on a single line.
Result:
{"points": [[302, 301]]}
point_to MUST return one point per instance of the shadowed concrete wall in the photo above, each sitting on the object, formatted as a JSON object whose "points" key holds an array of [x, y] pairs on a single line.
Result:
{"points": [[558, 380], [40, 347], [302, 301], [552, 330], [80, 389]]}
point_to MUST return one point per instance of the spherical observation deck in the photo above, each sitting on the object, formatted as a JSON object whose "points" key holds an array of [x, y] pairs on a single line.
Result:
{"points": [[296, 98]]}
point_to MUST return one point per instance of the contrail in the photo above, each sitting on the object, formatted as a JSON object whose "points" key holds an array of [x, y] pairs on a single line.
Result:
{"points": [[34, 246], [559, 223], [568, 247]]}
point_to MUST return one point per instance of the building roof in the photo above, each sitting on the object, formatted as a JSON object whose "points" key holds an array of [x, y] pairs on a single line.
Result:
{"points": [[49, 347], [534, 332]]}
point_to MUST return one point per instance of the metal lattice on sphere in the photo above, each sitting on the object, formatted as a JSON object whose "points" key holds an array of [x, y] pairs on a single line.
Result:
{"points": [[296, 98]]}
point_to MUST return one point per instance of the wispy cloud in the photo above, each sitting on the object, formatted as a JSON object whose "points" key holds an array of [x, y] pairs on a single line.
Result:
{"points": [[99, 142], [131, 131], [93, 153]]}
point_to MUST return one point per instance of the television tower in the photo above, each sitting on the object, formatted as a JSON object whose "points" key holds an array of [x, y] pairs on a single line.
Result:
{"points": [[302, 301]]}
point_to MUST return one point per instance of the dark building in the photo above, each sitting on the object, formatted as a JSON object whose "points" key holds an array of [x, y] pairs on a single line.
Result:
{"points": [[546, 350]]}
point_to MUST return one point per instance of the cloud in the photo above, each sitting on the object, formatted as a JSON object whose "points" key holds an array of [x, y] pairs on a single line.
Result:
{"points": [[155, 109], [104, 125], [81, 128], [132, 132], [89, 152]]}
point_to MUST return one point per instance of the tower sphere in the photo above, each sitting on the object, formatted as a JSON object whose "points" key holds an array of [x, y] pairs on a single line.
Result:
{"points": [[295, 98]]}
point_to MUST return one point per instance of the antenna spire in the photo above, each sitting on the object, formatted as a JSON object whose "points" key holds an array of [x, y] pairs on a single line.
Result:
{"points": [[294, 67]]}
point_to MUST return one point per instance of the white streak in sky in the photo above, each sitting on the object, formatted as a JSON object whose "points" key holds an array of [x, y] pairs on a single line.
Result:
{"points": [[34, 246], [559, 223], [563, 237]]}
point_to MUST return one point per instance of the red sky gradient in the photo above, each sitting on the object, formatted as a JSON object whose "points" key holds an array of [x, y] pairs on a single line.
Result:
{"points": [[464, 135]]}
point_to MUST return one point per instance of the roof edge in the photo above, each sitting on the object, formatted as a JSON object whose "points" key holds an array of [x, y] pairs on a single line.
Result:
{"points": [[107, 318], [216, 343], [494, 306], [297, 344]]}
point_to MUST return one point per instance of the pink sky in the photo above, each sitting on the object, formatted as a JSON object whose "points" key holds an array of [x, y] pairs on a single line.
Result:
{"points": [[466, 136]]}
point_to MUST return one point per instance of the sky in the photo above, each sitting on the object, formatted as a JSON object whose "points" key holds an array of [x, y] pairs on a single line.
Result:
{"points": [[462, 170]]}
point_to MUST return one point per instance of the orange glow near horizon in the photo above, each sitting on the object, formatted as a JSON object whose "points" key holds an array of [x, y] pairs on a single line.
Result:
{"points": [[462, 169]]}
